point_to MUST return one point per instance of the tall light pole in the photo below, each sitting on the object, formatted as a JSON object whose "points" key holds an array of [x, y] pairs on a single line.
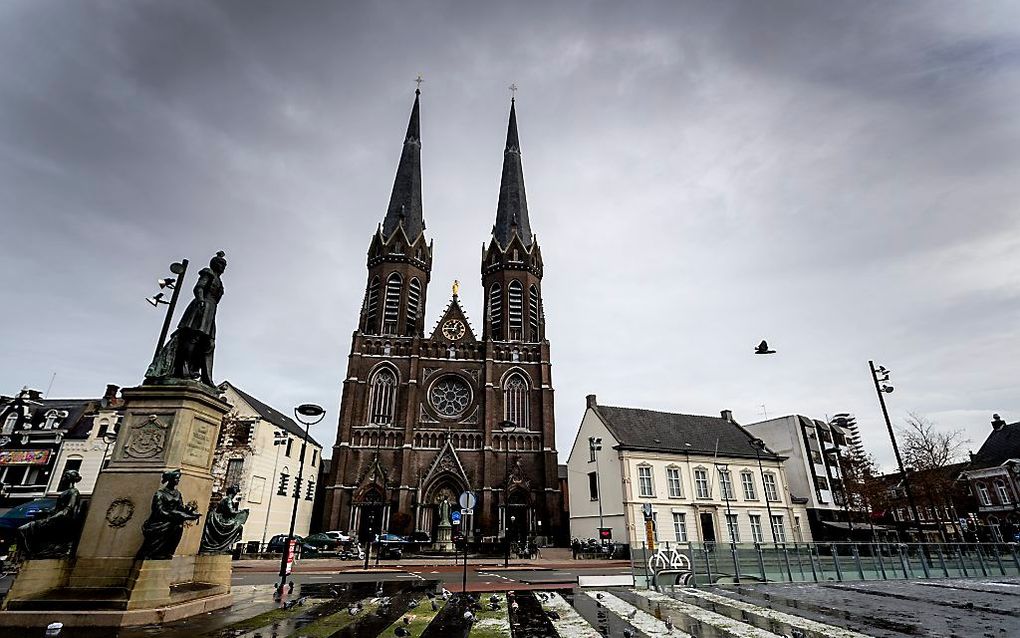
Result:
{"points": [[179, 268], [595, 446], [308, 414], [759, 445], [880, 376], [506, 425]]}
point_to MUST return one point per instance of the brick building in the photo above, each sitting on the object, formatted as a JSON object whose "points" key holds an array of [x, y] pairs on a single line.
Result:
{"points": [[427, 415]]}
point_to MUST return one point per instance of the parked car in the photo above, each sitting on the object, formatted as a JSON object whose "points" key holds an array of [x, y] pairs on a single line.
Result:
{"points": [[278, 543], [320, 544], [418, 540], [340, 536], [391, 546], [18, 516]]}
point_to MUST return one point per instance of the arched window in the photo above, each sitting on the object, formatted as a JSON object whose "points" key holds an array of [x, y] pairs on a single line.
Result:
{"points": [[496, 311], [51, 420], [515, 400], [983, 495], [1002, 492], [515, 305], [391, 311], [413, 305], [372, 306], [383, 397], [10, 422], [533, 313]]}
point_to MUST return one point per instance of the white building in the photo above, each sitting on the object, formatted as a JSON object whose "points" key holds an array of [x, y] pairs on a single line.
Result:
{"points": [[810, 446], [261, 452], [88, 445], [702, 476]]}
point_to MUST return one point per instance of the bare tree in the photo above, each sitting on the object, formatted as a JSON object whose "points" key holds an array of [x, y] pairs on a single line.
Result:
{"points": [[926, 447], [929, 454]]}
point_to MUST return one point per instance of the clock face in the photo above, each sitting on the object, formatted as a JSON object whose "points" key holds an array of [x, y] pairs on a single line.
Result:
{"points": [[454, 329]]}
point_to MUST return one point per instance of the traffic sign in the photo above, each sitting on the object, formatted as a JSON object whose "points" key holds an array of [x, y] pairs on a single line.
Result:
{"points": [[468, 500], [455, 517]]}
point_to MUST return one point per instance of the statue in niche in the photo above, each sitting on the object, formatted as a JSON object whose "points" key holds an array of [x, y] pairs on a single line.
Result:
{"points": [[444, 512], [162, 531], [224, 525], [188, 354], [54, 531]]}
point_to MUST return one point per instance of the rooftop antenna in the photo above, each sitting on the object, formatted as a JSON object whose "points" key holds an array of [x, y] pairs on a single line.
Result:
{"points": [[50, 386]]}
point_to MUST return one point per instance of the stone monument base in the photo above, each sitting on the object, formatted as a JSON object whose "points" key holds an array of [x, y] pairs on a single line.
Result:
{"points": [[41, 594], [444, 540]]}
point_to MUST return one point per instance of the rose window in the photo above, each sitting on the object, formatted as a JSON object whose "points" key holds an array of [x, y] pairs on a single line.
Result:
{"points": [[450, 396]]}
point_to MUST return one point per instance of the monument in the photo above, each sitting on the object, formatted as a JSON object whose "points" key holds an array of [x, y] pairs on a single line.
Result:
{"points": [[138, 560], [444, 533]]}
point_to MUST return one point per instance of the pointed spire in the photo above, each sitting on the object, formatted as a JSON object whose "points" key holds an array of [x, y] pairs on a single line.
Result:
{"points": [[512, 209], [405, 201]]}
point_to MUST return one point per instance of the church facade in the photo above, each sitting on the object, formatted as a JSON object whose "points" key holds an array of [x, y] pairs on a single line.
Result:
{"points": [[426, 415]]}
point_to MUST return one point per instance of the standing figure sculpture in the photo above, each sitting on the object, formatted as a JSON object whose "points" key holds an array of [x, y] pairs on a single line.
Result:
{"points": [[162, 531], [54, 531], [224, 525], [188, 354]]}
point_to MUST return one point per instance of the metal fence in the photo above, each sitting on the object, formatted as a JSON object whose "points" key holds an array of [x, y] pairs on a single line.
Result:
{"points": [[702, 564]]}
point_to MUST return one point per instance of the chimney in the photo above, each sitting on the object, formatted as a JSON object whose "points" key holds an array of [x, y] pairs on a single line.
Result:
{"points": [[997, 423], [591, 401], [111, 391], [727, 415]]}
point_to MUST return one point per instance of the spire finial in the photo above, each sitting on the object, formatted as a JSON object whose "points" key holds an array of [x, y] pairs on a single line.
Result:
{"points": [[456, 287], [513, 91], [418, 81]]}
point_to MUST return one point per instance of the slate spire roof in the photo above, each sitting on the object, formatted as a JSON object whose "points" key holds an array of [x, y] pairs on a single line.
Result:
{"points": [[512, 209], [405, 201]]}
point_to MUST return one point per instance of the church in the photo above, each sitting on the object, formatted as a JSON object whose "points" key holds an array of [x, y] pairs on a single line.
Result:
{"points": [[427, 416]]}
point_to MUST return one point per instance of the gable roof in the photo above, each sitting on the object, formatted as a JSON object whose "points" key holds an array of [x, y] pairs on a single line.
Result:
{"points": [[1001, 445], [454, 311], [638, 429], [270, 414]]}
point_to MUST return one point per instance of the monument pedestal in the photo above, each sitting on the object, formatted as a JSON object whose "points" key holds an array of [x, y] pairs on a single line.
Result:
{"points": [[444, 538], [165, 427]]}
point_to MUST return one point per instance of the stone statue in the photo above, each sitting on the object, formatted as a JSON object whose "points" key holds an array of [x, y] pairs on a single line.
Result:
{"points": [[188, 354], [162, 531], [55, 530], [444, 511], [224, 525]]}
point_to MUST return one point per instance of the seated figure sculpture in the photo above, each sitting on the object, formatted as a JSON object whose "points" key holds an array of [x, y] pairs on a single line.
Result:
{"points": [[162, 531], [224, 525], [54, 531]]}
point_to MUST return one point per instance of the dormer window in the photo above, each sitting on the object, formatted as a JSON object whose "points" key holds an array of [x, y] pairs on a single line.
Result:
{"points": [[9, 423], [51, 420]]}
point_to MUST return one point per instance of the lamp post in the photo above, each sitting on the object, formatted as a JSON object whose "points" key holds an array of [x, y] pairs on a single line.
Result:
{"points": [[506, 425], [759, 445], [595, 446], [308, 414], [880, 376], [178, 268]]}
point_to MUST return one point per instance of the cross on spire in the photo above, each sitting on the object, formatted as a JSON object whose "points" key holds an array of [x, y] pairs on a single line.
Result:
{"points": [[418, 80], [513, 91]]}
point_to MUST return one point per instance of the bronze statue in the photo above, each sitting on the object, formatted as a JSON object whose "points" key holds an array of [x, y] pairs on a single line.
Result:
{"points": [[224, 525], [188, 354], [55, 530], [162, 531]]}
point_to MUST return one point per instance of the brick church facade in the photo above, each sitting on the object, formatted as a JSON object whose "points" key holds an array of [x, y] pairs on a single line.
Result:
{"points": [[425, 416]]}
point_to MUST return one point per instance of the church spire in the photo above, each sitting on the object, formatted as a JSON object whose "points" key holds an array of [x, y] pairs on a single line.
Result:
{"points": [[405, 201], [512, 209]]}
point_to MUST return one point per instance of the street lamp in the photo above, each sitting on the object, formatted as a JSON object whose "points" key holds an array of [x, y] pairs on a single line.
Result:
{"points": [[880, 376], [595, 446], [308, 414], [178, 268], [759, 446], [506, 425]]}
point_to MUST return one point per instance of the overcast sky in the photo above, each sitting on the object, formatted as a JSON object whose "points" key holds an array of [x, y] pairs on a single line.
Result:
{"points": [[839, 178]]}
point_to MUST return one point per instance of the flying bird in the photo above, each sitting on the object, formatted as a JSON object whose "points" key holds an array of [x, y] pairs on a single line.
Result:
{"points": [[763, 348]]}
